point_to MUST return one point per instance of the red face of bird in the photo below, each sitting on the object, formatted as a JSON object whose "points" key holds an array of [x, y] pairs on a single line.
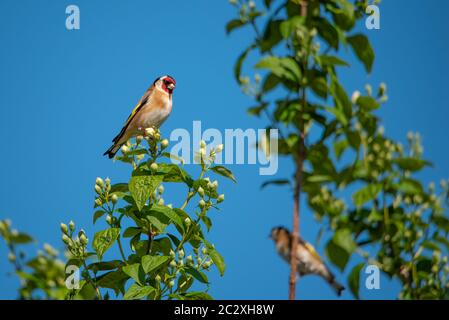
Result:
{"points": [[166, 84]]}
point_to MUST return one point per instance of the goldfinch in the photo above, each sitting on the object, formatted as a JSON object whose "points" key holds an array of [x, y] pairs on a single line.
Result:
{"points": [[151, 111], [309, 262]]}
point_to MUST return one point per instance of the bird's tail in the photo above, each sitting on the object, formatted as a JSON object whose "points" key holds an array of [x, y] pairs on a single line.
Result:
{"points": [[337, 286], [112, 150]]}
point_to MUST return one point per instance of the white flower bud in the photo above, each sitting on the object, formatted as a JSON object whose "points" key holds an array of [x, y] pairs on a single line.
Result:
{"points": [[355, 96], [369, 89], [72, 225], [215, 184], [160, 189], [202, 203], [188, 222], [219, 148], [164, 143], [124, 149], [172, 254], [154, 166], [160, 202], [171, 283], [99, 182], [97, 189], [201, 191], [220, 198], [11, 257], [204, 250], [109, 219], [181, 254], [64, 228], [98, 202], [114, 199], [158, 278], [65, 239], [202, 144], [173, 263], [149, 131], [83, 239], [207, 264]]}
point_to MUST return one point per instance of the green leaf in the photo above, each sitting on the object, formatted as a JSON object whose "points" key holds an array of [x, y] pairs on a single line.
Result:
{"points": [[354, 280], [223, 172], [234, 24], [410, 186], [343, 239], [342, 101], [159, 220], [136, 292], [337, 255], [285, 68], [319, 86], [21, 238], [142, 186], [271, 81], [135, 271], [131, 232], [287, 27], [103, 240], [151, 263], [113, 280], [98, 214], [198, 275], [119, 187], [239, 63], [271, 36], [255, 111], [169, 213], [216, 258], [192, 296], [327, 32], [367, 103], [411, 164], [174, 173], [340, 147], [366, 194], [363, 50], [343, 15], [278, 182], [103, 266], [316, 178], [325, 61]]}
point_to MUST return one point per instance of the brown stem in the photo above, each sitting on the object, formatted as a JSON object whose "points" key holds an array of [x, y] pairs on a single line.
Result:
{"points": [[297, 189]]}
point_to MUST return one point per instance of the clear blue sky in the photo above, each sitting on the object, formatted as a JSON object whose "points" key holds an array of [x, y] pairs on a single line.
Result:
{"points": [[64, 94]]}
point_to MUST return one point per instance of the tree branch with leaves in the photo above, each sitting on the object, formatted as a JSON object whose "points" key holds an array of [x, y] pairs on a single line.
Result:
{"points": [[337, 145]]}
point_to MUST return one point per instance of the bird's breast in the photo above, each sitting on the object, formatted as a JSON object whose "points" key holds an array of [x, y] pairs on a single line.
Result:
{"points": [[157, 113]]}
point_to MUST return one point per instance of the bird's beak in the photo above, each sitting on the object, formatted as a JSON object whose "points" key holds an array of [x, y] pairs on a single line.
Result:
{"points": [[171, 86]]}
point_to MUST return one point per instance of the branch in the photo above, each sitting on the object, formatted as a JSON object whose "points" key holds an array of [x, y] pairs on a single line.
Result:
{"points": [[297, 187]]}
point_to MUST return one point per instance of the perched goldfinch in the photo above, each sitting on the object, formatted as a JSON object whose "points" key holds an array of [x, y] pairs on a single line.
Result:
{"points": [[151, 111], [309, 262]]}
